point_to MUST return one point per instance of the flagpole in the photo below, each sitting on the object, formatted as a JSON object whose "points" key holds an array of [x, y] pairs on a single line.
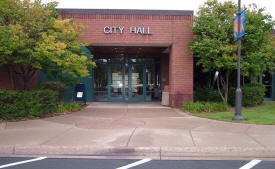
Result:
{"points": [[238, 107]]}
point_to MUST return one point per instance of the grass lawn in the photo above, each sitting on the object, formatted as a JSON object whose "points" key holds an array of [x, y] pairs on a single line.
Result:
{"points": [[262, 114]]}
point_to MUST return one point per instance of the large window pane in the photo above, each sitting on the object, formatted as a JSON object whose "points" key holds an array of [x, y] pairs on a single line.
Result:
{"points": [[137, 81], [116, 81], [100, 82]]}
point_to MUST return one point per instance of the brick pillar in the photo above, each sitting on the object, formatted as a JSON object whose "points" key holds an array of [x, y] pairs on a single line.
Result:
{"points": [[180, 75], [164, 70]]}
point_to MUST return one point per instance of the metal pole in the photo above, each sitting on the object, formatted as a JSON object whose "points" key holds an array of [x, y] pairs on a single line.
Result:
{"points": [[238, 107]]}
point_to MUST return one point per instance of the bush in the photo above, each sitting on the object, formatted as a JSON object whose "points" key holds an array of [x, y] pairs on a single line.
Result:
{"points": [[207, 94], [27, 104], [252, 94], [204, 106], [69, 107], [40, 102], [192, 107], [12, 105], [60, 88]]}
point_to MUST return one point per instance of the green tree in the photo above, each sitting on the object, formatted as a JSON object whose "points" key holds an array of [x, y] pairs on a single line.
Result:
{"points": [[216, 50], [257, 45], [34, 37], [273, 43]]}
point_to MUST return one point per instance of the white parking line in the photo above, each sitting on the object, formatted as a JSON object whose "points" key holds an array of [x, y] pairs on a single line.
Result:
{"points": [[135, 163], [250, 164], [22, 162]]}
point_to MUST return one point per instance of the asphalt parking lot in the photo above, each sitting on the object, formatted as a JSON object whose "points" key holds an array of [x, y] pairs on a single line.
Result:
{"points": [[80, 163]]}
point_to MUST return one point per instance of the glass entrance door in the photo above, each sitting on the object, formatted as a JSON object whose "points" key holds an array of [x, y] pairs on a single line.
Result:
{"points": [[126, 80], [116, 82], [136, 91]]}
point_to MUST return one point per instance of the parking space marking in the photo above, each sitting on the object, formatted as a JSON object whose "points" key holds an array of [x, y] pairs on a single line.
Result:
{"points": [[251, 164], [22, 162], [135, 163]]}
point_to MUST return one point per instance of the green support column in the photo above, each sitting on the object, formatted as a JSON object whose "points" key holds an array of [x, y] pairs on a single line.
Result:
{"points": [[89, 81]]}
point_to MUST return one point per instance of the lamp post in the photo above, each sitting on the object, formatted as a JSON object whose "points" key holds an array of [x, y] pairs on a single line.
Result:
{"points": [[238, 106]]}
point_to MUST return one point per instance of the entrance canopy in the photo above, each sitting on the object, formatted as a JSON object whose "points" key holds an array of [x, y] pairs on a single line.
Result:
{"points": [[130, 51], [127, 73]]}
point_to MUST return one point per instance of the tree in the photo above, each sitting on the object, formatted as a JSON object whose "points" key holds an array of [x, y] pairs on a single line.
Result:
{"points": [[213, 43], [34, 37], [215, 48], [257, 45]]}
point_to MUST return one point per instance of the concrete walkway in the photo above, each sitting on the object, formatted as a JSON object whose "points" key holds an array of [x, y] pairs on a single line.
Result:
{"points": [[136, 130]]}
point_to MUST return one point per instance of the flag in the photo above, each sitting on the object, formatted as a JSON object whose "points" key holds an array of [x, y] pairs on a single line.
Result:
{"points": [[242, 32]]}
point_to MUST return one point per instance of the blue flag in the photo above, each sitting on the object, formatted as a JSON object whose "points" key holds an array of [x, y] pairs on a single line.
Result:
{"points": [[242, 32]]}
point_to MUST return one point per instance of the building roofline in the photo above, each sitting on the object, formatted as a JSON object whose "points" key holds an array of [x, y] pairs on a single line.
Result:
{"points": [[125, 11]]}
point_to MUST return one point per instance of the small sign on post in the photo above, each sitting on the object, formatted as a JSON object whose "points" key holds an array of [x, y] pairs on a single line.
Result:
{"points": [[80, 93]]}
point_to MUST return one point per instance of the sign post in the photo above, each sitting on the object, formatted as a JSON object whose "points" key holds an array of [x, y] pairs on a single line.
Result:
{"points": [[239, 25]]}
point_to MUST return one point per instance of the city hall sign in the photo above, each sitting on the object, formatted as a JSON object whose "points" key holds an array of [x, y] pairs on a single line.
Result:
{"points": [[132, 30]]}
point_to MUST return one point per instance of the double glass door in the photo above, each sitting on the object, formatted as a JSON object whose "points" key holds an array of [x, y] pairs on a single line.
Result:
{"points": [[126, 82], [116, 82]]}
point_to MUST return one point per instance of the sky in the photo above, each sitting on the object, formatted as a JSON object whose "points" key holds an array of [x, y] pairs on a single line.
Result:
{"points": [[154, 4]]}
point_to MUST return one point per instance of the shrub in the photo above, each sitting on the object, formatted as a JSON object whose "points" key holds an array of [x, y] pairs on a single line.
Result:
{"points": [[60, 88], [252, 94], [12, 105], [27, 104], [192, 107], [207, 94], [40, 102], [69, 107], [204, 106]]}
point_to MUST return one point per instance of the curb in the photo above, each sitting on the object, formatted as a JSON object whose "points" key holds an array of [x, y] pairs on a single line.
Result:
{"points": [[6, 150], [168, 152], [2, 125], [154, 152], [86, 151]]}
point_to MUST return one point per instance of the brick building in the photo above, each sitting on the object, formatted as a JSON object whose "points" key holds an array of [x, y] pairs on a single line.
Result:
{"points": [[138, 53]]}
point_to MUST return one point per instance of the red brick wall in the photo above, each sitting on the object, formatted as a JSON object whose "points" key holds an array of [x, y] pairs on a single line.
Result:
{"points": [[164, 70], [162, 28], [5, 81], [174, 31], [181, 66]]}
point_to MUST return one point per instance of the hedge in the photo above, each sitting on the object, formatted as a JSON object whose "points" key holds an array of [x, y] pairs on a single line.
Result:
{"points": [[252, 94], [60, 88], [204, 106], [69, 107], [207, 94], [27, 104]]}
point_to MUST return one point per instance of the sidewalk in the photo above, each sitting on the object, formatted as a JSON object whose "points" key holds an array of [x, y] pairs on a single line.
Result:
{"points": [[136, 130]]}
